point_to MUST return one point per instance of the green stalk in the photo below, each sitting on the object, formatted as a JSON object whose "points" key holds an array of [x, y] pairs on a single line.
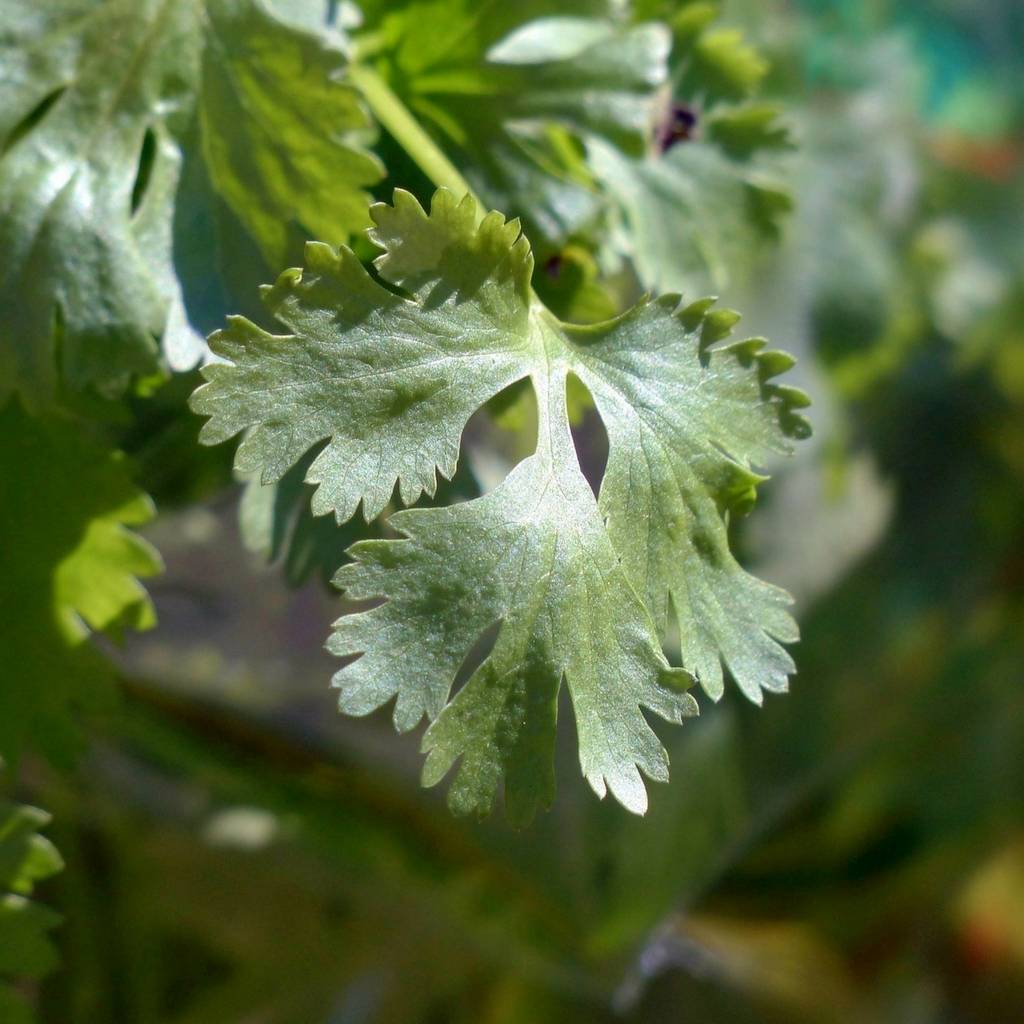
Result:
{"points": [[393, 114]]}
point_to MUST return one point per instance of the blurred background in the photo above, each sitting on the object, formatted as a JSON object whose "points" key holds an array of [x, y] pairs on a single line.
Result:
{"points": [[853, 851]]}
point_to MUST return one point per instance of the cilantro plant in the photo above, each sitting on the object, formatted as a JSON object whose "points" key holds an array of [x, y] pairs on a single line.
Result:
{"points": [[158, 159], [377, 360]]}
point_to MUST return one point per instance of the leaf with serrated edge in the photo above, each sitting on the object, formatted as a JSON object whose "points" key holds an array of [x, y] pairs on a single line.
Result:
{"points": [[389, 383]]}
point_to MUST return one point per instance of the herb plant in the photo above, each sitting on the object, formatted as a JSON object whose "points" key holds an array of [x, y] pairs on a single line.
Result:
{"points": [[158, 159]]}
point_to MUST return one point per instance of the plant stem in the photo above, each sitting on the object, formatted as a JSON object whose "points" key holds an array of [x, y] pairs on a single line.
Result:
{"points": [[393, 114]]}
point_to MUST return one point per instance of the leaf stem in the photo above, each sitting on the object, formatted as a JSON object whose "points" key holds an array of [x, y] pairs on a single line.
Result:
{"points": [[395, 116]]}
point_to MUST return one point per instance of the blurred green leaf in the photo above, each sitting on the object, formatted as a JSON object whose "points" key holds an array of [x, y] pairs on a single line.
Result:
{"points": [[69, 567], [691, 218], [694, 209], [510, 92], [26, 951], [93, 122]]}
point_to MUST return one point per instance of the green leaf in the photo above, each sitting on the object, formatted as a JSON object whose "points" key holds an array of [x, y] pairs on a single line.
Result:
{"points": [[685, 419], [533, 555], [95, 102], [745, 130], [388, 382], [724, 66], [283, 134], [406, 402], [26, 858], [692, 218], [687, 23], [510, 92], [69, 566], [693, 211]]}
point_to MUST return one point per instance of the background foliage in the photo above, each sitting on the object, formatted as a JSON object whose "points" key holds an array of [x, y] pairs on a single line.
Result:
{"points": [[852, 851]]}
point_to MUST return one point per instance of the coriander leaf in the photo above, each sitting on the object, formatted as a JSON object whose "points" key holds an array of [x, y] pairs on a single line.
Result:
{"points": [[283, 134], [95, 103], [26, 951], [550, 39], [747, 129], [685, 419], [691, 216], [408, 376], [388, 382], [67, 567], [692, 211], [82, 83], [509, 93], [533, 555], [723, 65]]}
